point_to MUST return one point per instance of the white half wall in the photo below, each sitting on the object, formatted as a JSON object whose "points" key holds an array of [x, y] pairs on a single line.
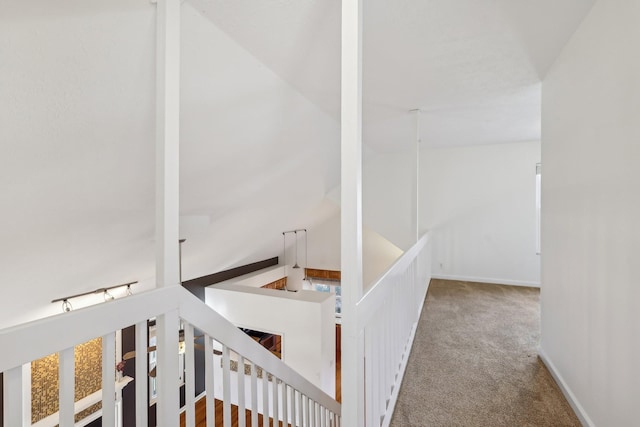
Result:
{"points": [[479, 205], [590, 298], [304, 319]]}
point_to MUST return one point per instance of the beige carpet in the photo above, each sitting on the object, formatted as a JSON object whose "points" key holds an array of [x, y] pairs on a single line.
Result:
{"points": [[474, 362]]}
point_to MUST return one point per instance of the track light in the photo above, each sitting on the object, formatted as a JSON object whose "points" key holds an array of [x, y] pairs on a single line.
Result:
{"points": [[107, 296], [66, 306]]}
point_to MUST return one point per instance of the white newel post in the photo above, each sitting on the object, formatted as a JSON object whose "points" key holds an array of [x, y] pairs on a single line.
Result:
{"points": [[167, 202], [351, 214]]}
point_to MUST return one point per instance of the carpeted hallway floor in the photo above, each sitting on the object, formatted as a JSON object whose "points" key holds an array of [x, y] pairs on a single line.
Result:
{"points": [[474, 362]]}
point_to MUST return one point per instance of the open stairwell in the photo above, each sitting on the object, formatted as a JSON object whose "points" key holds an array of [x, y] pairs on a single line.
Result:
{"points": [[267, 391], [270, 393]]}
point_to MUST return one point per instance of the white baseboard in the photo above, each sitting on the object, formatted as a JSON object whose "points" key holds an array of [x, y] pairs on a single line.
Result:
{"points": [[568, 394], [486, 280]]}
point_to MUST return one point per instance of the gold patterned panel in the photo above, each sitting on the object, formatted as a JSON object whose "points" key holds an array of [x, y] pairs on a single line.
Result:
{"points": [[44, 387], [45, 380]]}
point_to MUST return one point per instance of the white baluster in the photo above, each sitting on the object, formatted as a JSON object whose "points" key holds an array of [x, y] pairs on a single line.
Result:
{"points": [[254, 395], [312, 413], [108, 380], [209, 381], [380, 381], [226, 386], [293, 407], [307, 417], [242, 415], [67, 387], [189, 377], [265, 399], [369, 375], [142, 385], [274, 396], [285, 406]]}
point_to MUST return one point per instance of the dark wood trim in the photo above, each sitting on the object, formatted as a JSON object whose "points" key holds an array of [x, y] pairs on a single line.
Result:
{"points": [[196, 286]]}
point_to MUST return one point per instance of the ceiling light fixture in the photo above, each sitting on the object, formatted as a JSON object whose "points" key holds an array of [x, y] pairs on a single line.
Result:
{"points": [[296, 264]]}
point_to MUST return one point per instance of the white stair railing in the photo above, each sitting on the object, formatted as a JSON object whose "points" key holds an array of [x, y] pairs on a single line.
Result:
{"points": [[271, 389], [387, 315]]}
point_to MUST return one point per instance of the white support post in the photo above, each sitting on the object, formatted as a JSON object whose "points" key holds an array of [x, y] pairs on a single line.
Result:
{"points": [[167, 142], [351, 213], [416, 177], [108, 380], [16, 397], [189, 377], [167, 369], [67, 387], [142, 384], [167, 202]]}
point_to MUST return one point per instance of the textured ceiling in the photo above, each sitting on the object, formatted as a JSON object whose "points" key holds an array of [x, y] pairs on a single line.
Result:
{"points": [[474, 67]]}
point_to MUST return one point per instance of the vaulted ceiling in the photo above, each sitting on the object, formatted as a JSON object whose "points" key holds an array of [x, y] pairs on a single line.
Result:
{"points": [[259, 121], [474, 67]]}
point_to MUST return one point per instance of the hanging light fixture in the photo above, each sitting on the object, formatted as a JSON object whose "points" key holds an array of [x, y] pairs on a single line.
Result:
{"points": [[296, 264], [284, 248]]}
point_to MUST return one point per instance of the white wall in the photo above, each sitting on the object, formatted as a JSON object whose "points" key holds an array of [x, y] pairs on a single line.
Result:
{"points": [[304, 319], [77, 151], [591, 216], [378, 253], [388, 185], [479, 204]]}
